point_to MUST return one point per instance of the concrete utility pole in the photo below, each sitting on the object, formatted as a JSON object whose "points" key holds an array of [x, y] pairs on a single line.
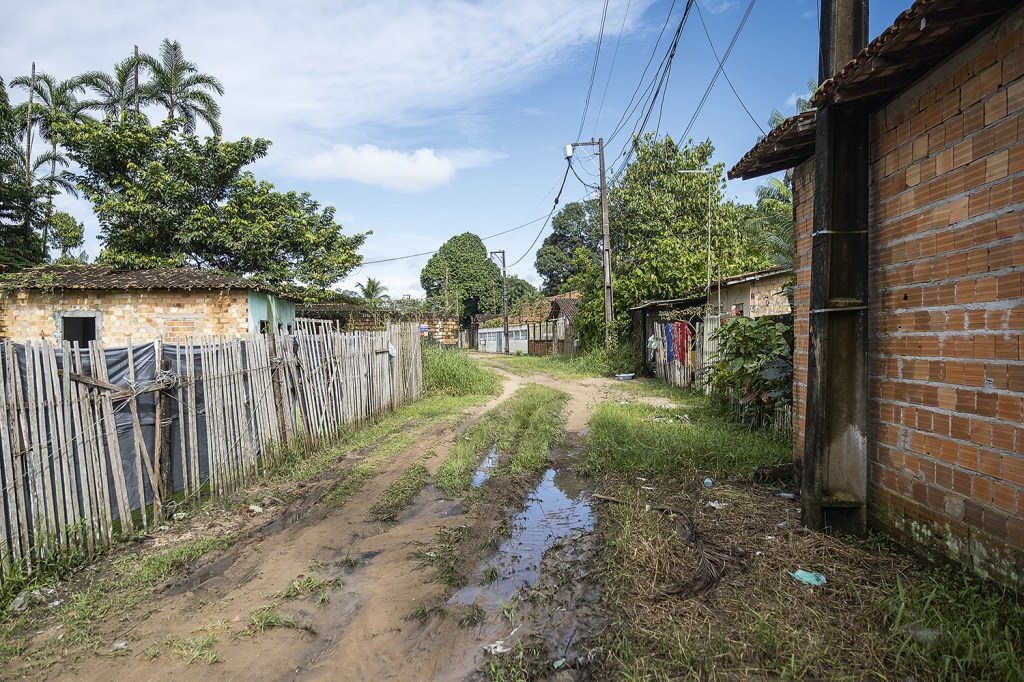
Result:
{"points": [[504, 296], [834, 491], [135, 91], [609, 307]]}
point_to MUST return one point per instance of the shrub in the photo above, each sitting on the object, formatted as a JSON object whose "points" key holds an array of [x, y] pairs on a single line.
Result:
{"points": [[754, 371]]}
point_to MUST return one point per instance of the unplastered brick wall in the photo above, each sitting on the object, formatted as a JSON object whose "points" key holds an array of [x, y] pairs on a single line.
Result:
{"points": [[946, 278], [141, 315], [803, 224]]}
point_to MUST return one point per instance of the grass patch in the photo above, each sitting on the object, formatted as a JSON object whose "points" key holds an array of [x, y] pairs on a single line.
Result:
{"points": [[152, 569], [423, 613], [450, 372], [192, 648], [445, 556], [307, 585], [642, 439], [268, 617], [594, 363], [408, 420], [524, 426], [947, 625], [400, 493]]}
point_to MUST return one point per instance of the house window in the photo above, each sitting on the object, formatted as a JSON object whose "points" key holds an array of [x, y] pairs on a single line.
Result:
{"points": [[264, 327], [80, 329]]}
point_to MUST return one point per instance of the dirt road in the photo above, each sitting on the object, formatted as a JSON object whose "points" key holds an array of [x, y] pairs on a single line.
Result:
{"points": [[379, 611]]}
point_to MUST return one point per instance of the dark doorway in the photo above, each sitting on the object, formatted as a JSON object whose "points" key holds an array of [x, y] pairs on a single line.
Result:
{"points": [[80, 329]]}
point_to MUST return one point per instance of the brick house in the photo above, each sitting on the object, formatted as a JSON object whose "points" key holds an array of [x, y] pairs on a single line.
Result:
{"points": [[942, 95], [96, 302]]}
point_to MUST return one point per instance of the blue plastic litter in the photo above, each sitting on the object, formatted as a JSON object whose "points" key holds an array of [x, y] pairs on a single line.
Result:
{"points": [[808, 578]]}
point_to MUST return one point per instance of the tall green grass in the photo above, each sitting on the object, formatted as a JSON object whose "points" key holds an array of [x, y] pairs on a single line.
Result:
{"points": [[639, 438], [967, 630], [524, 426], [450, 372]]}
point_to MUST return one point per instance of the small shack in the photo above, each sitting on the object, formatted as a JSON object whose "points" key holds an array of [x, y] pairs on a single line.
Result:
{"points": [[682, 327], [99, 303]]}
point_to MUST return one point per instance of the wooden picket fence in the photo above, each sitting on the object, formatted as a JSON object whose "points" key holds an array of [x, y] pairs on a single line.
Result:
{"points": [[84, 459]]}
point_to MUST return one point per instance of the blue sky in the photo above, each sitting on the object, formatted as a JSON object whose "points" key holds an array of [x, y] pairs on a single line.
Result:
{"points": [[422, 119]]}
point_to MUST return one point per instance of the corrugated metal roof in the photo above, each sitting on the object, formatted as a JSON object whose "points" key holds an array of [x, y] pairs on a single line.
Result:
{"points": [[96, 277]]}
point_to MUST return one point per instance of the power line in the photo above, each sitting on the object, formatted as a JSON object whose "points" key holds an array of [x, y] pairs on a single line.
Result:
{"points": [[582, 181], [630, 107], [593, 70], [662, 82], [429, 253], [611, 68], [700, 15], [721, 66], [551, 213]]}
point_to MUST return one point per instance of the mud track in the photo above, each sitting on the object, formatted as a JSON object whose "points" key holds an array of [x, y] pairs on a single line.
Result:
{"points": [[363, 633]]}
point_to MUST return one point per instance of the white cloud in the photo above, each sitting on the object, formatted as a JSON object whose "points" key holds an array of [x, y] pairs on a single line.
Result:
{"points": [[419, 171], [791, 100]]}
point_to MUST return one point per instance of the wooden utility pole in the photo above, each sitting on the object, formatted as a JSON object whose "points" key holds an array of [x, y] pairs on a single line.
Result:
{"points": [[504, 296], [609, 304], [835, 440]]}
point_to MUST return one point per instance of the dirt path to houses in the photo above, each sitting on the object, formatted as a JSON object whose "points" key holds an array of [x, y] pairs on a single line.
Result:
{"points": [[376, 608]]}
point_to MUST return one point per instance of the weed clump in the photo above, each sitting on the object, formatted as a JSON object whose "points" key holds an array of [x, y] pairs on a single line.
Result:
{"points": [[400, 494], [452, 373]]}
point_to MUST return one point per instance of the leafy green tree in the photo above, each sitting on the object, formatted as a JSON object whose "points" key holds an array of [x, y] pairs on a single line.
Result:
{"points": [[462, 274], [372, 290], [164, 199], [659, 227], [177, 84], [66, 234], [520, 290], [577, 226]]}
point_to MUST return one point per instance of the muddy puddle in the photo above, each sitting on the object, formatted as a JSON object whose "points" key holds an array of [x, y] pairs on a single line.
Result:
{"points": [[557, 509], [486, 467]]}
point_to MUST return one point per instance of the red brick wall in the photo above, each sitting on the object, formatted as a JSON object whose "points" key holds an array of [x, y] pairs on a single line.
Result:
{"points": [[803, 215], [946, 457]]}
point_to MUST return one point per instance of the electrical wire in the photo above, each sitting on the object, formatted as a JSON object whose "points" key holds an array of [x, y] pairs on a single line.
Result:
{"points": [[593, 70], [721, 66], [627, 155], [611, 68], [429, 253], [700, 15], [582, 181], [626, 115], [568, 166]]}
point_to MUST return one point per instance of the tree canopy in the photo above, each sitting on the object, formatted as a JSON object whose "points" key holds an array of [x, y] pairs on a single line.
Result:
{"points": [[462, 274], [575, 228], [660, 233], [163, 198]]}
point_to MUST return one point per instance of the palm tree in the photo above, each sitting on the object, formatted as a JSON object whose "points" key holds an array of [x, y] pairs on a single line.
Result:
{"points": [[176, 84], [373, 291], [54, 100], [116, 91]]}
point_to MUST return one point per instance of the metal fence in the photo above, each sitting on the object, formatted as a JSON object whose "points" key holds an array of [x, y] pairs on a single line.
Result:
{"points": [[96, 442]]}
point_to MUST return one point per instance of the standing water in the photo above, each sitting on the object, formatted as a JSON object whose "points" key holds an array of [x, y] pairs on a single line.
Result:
{"points": [[553, 511]]}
